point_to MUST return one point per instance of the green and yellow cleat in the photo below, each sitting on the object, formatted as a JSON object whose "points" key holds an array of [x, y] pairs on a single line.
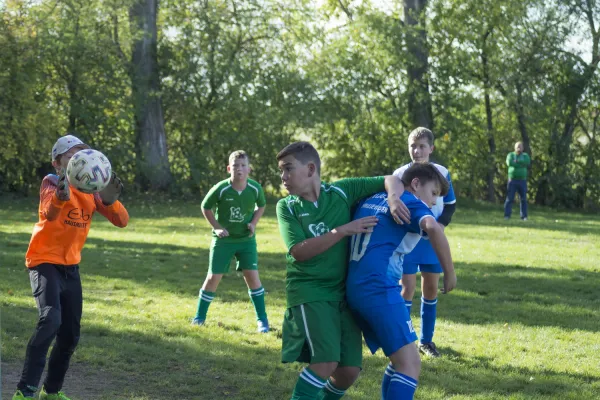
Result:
{"points": [[19, 396], [52, 396]]}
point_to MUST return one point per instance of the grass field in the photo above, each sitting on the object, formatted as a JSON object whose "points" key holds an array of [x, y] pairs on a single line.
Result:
{"points": [[524, 322]]}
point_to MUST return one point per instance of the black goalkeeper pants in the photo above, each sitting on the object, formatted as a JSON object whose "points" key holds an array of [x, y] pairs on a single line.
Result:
{"points": [[57, 292]]}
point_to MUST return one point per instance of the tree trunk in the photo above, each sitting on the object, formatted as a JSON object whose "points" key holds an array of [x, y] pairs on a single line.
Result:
{"points": [[153, 172], [491, 173], [521, 121], [419, 99]]}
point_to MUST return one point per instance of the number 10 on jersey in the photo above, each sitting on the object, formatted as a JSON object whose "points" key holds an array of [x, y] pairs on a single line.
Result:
{"points": [[358, 245]]}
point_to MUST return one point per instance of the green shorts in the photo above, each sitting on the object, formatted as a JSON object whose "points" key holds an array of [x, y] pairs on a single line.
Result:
{"points": [[321, 331], [221, 253]]}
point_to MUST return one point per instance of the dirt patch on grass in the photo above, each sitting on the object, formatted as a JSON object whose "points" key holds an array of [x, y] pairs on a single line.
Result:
{"points": [[81, 382]]}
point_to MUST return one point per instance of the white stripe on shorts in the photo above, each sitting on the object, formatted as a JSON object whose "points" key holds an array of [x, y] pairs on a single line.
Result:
{"points": [[312, 350]]}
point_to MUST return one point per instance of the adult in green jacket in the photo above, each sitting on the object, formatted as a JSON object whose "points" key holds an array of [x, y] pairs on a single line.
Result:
{"points": [[518, 163]]}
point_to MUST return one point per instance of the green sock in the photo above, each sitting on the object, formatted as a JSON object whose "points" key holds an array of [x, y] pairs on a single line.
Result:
{"points": [[204, 300], [258, 299], [330, 392], [308, 386]]}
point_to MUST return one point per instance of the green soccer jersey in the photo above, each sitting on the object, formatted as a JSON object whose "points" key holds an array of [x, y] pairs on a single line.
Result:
{"points": [[322, 278], [234, 210]]}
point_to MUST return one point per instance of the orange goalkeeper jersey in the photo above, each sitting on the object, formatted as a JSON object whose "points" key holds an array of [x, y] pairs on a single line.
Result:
{"points": [[62, 229]]}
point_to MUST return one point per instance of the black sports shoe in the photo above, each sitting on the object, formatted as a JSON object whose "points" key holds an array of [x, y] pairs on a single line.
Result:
{"points": [[429, 349]]}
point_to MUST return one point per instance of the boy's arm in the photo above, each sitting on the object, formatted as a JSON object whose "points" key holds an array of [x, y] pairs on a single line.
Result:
{"points": [[116, 213], [449, 204], [359, 188], [440, 245], [302, 248], [210, 217], [394, 188], [53, 199], [312, 247], [257, 215]]}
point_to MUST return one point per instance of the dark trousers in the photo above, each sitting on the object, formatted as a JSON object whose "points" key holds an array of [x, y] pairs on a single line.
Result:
{"points": [[516, 186], [57, 292]]}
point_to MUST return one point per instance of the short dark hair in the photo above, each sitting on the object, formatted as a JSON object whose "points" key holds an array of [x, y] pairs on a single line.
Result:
{"points": [[421, 133], [303, 152], [426, 172], [238, 154]]}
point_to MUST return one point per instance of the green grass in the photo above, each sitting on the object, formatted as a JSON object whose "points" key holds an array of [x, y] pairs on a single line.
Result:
{"points": [[524, 322]]}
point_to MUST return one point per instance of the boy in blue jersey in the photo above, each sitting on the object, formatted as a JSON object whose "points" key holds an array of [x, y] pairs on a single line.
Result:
{"points": [[376, 261], [422, 258]]}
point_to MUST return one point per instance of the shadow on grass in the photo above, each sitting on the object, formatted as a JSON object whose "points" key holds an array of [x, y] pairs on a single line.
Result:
{"points": [[480, 374], [485, 214], [169, 268], [489, 293], [172, 362]]}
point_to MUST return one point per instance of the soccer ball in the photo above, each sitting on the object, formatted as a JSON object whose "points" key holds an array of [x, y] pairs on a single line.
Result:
{"points": [[89, 171]]}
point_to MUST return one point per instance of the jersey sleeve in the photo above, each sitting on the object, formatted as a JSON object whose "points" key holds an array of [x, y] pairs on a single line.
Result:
{"points": [[510, 160], [400, 171], [211, 199], [116, 213], [418, 211], [289, 226], [260, 199], [50, 204], [359, 188], [450, 198]]}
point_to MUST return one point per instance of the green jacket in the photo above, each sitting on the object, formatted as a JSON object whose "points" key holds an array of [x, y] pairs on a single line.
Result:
{"points": [[517, 165]]}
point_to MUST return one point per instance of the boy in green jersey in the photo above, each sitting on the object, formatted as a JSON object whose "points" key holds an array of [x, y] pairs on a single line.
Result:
{"points": [[315, 223], [239, 204]]}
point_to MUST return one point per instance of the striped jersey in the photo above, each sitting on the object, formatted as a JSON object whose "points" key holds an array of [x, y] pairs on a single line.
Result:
{"points": [[424, 253], [234, 209], [376, 257], [322, 278]]}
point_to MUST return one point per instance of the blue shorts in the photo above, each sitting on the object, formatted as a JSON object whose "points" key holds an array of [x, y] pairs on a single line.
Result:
{"points": [[387, 327], [413, 268]]}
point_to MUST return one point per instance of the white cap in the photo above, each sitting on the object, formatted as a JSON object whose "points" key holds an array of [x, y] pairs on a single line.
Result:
{"points": [[64, 144]]}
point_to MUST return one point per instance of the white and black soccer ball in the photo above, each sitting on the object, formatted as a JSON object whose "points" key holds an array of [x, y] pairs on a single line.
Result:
{"points": [[89, 171]]}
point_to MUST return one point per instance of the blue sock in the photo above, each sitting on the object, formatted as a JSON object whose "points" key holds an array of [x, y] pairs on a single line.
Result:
{"points": [[387, 378], [402, 387], [428, 317], [408, 305]]}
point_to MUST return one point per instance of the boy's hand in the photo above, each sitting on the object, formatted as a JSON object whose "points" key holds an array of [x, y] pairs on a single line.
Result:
{"points": [[221, 233], [112, 191], [251, 228], [449, 282], [360, 225], [398, 210], [63, 192]]}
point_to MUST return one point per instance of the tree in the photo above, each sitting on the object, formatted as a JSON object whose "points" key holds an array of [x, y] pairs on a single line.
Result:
{"points": [[151, 143]]}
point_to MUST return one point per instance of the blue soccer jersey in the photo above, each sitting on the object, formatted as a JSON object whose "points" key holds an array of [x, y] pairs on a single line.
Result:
{"points": [[423, 252], [376, 258]]}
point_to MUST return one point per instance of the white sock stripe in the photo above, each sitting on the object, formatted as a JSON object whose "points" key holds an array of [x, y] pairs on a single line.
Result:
{"points": [[390, 370], [403, 380], [429, 302], [203, 293], [311, 379], [312, 350], [207, 298], [334, 390], [261, 291]]}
